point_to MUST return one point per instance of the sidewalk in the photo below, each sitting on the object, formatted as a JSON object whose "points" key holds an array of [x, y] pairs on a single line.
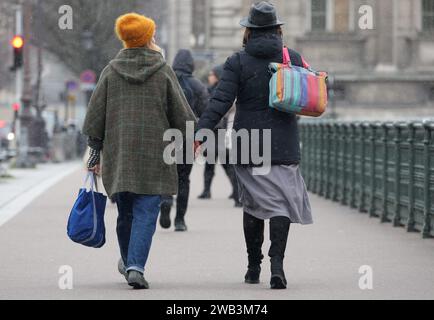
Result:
{"points": [[209, 261], [25, 185]]}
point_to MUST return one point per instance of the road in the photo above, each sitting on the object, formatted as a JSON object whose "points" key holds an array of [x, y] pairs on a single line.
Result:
{"points": [[208, 262]]}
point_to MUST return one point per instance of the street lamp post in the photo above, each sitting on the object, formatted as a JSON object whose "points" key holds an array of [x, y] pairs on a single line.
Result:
{"points": [[39, 137], [23, 159], [88, 46]]}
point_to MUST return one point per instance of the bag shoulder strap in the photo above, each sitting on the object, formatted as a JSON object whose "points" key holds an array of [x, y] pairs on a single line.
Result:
{"points": [[286, 56], [296, 58]]}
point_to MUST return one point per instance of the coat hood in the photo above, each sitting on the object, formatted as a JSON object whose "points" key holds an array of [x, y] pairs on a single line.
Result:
{"points": [[136, 65], [264, 44], [183, 62]]}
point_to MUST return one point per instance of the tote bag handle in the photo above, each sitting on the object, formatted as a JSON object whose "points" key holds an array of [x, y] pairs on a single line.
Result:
{"points": [[93, 181], [286, 57]]}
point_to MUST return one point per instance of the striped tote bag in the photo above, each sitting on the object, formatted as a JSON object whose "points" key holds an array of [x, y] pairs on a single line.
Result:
{"points": [[297, 90]]}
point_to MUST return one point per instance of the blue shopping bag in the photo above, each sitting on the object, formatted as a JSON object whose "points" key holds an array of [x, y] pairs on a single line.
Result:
{"points": [[86, 220]]}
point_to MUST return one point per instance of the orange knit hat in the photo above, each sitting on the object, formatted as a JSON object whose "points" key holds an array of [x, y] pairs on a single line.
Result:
{"points": [[134, 30]]}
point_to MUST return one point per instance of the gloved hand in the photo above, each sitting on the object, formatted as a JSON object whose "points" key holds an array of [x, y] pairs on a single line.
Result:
{"points": [[93, 164]]}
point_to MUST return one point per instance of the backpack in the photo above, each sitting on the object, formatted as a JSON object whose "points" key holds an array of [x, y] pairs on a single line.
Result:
{"points": [[188, 91]]}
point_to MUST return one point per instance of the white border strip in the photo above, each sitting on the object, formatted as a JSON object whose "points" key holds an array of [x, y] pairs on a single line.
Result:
{"points": [[14, 207]]}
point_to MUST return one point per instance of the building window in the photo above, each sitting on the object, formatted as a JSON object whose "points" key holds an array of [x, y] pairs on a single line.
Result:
{"points": [[342, 15], [318, 15], [331, 15], [199, 24], [428, 15]]}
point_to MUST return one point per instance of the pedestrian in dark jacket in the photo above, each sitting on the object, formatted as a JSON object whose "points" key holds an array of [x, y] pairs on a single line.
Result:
{"points": [[136, 100], [197, 97], [209, 171], [281, 194], [194, 90]]}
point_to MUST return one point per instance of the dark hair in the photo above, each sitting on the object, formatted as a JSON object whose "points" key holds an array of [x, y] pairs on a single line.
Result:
{"points": [[249, 31]]}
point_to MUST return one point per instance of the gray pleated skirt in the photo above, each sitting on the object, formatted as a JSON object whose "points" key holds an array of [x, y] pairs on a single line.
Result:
{"points": [[282, 192]]}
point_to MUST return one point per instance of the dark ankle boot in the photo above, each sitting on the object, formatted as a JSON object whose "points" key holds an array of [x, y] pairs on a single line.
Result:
{"points": [[208, 177], [278, 279], [206, 194], [252, 275], [279, 230], [136, 280], [165, 215], [254, 236], [180, 225]]}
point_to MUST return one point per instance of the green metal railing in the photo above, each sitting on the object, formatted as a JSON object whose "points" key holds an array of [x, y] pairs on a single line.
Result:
{"points": [[383, 169]]}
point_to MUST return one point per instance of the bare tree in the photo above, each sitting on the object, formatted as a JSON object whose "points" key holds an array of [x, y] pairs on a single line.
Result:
{"points": [[91, 43]]}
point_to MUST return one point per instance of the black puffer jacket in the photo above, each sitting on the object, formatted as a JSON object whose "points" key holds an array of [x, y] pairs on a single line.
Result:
{"points": [[246, 78], [195, 92], [224, 121]]}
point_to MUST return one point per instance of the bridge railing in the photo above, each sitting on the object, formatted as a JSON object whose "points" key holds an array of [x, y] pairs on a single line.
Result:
{"points": [[383, 169]]}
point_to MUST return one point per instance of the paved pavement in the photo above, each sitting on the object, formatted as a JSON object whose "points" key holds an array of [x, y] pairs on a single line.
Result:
{"points": [[208, 262], [22, 186]]}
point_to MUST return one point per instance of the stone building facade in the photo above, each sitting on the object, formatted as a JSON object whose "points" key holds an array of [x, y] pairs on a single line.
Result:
{"points": [[383, 69]]}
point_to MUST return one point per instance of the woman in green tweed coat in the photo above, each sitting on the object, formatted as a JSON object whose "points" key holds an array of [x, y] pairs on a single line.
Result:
{"points": [[136, 100]]}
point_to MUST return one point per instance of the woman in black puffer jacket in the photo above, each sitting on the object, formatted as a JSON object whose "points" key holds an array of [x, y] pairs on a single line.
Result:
{"points": [[281, 194]]}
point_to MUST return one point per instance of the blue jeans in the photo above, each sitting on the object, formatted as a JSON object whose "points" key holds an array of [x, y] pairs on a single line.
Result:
{"points": [[136, 226]]}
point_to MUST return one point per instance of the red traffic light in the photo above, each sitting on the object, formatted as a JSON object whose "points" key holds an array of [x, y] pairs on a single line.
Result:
{"points": [[16, 107], [17, 42]]}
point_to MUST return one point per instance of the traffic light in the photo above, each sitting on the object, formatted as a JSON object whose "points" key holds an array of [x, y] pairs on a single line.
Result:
{"points": [[17, 45], [16, 108]]}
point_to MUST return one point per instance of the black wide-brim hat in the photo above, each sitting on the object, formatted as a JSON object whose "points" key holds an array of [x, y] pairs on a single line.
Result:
{"points": [[262, 15]]}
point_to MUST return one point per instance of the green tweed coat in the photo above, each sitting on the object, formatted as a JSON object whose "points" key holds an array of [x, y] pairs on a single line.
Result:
{"points": [[136, 100]]}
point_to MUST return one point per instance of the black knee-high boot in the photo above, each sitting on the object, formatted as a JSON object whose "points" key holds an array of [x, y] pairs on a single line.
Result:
{"points": [[254, 236], [208, 176], [279, 230]]}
